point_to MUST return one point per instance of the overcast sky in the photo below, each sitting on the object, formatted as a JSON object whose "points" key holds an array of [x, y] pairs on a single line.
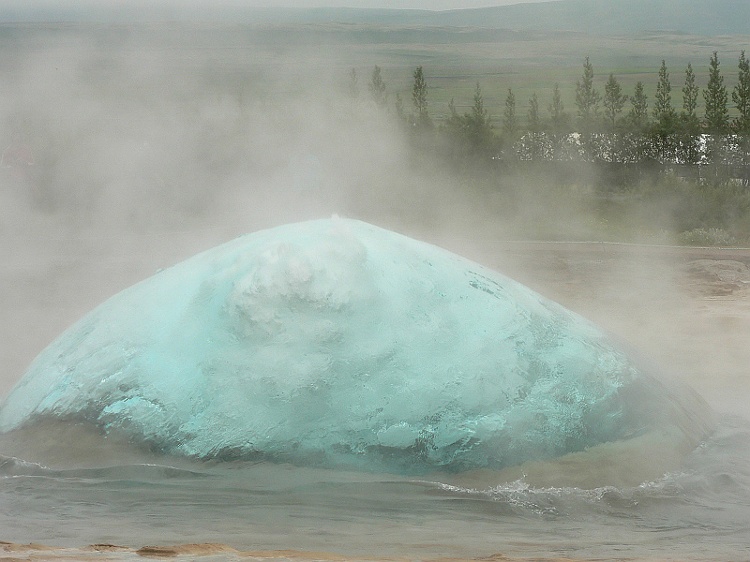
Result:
{"points": [[421, 4], [42, 5], [62, 10]]}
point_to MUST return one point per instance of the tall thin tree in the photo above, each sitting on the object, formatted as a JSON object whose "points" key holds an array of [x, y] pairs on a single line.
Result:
{"points": [[419, 99], [534, 120], [689, 94], [559, 121], [456, 130], [478, 111], [741, 96], [479, 126], [510, 120], [614, 101], [715, 96], [532, 116], [587, 98], [638, 114], [664, 116], [717, 114], [558, 117], [663, 110], [689, 122], [741, 124], [377, 88], [637, 120]]}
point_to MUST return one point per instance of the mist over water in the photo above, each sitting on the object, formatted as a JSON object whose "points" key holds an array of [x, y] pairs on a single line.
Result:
{"points": [[150, 146], [335, 343], [696, 513]]}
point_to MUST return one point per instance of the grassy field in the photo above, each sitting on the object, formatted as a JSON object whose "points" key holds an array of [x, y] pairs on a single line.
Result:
{"points": [[267, 60], [531, 62], [187, 113]]}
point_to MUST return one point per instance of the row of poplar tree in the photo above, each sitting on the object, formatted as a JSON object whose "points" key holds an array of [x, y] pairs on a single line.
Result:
{"points": [[608, 126]]}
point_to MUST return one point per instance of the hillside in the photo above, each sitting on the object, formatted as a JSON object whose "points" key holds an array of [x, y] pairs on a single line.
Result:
{"points": [[718, 17], [596, 17]]}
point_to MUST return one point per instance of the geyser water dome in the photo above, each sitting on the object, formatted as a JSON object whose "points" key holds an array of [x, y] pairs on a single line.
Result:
{"points": [[337, 343]]}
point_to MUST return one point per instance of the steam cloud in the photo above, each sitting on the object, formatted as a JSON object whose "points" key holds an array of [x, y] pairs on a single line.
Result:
{"points": [[153, 143]]}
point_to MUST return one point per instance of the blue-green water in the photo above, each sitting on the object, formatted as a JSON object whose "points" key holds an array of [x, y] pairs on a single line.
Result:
{"points": [[337, 344], [331, 386], [697, 512]]}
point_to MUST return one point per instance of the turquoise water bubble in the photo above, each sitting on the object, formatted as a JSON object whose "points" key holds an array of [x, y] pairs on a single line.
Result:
{"points": [[337, 343]]}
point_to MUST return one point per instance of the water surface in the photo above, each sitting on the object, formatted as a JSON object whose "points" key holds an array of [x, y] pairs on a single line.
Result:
{"points": [[126, 497]]}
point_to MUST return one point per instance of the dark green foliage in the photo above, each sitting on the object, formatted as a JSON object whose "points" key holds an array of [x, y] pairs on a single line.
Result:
{"points": [[664, 127], [638, 114], [478, 112], [534, 140], [741, 96], [456, 130], [715, 96], [614, 101], [663, 110], [587, 103], [510, 121], [419, 99], [587, 98], [689, 94], [741, 124], [559, 120], [650, 151], [480, 128], [717, 117], [689, 125], [559, 123], [455, 125], [470, 135]]}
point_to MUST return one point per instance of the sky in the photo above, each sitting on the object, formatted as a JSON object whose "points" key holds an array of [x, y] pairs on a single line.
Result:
{"points": [[405, 4], [63, 10], [42, 5]]}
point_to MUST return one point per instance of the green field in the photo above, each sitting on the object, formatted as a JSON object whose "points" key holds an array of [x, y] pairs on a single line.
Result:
{"points": [[531, 62], [284, 57], [186, 116]]}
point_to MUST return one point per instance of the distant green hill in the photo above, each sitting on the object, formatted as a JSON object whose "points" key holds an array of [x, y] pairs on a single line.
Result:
{"points": [[702, 17], [596, 17]]}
